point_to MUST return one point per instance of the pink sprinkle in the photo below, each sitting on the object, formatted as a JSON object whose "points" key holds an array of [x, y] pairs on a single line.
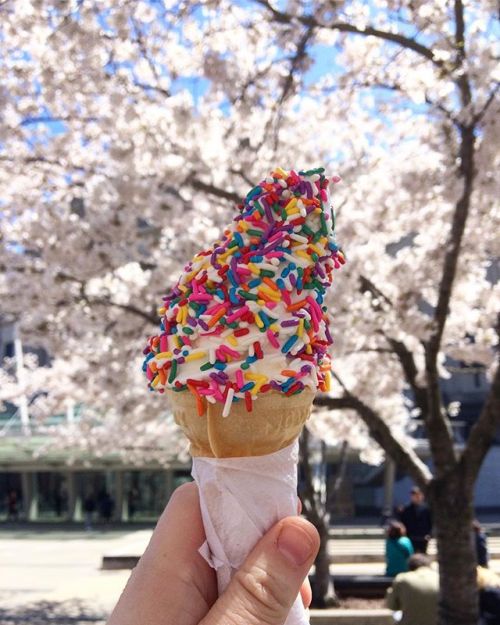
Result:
{"points": [[205, 391], [163, 343], [243, 270], [239, 379], [213, 310], [272, 339], [271, 305], [274, 255], [230, 352], [199, 297], [237, 314], [149, 374]]}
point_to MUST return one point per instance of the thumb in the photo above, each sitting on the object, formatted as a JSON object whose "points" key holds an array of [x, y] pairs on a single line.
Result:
{"points": [[263, 590]]}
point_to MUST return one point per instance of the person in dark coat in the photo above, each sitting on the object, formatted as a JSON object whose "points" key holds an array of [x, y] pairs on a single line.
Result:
{"points": [[481, 544], [416, 517]]}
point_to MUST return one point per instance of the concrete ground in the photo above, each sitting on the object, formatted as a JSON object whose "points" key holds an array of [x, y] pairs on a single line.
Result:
{"points": [[53, 577]]}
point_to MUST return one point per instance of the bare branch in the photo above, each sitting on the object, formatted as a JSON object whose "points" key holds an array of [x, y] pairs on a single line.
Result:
{"points": [[207, 187], [483, 431], [368, 31], [402, 454]]}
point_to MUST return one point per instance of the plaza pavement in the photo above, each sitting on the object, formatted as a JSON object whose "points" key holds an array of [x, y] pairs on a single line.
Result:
{"points": [[55, 577]]}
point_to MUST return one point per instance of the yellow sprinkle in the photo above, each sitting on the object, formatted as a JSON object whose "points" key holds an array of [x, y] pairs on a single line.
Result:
{"points": [[222, 257], [300, 329], [180, 345], [328, 381], [274, 327], [291, 204], [233, 340], [184, 288], [161, 311], [184, 315], [178, 316], [303, 254], [309, 349], [269, 291], [318, 251], [254, 269], [256, 377], [243, 225], [162, 355], [293, 211], [258, 321], [261, 302], [196, 356], [156, 381], [281, 173]]}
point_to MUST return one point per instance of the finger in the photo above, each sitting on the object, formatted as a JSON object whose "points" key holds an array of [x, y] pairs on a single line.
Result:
{"points": [[170, 570], [264, 589], [306, 593]]}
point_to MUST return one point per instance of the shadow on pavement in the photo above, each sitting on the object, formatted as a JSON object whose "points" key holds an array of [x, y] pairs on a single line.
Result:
{"points": [[52, 613]]}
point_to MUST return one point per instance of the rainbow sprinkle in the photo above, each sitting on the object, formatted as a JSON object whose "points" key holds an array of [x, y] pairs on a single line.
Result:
{"points": [[247, 316]]}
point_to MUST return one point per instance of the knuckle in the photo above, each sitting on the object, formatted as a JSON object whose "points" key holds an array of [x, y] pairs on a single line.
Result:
{"points": [[262, 594]]}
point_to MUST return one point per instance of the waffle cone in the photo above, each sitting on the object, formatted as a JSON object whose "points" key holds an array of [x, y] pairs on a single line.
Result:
{"points": [[274, 423]]}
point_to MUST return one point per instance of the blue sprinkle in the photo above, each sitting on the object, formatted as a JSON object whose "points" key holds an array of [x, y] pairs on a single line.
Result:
{"points": [[289, 344], [256, 259], [255, 282], [220, 366], [232, 279], [251, 359], [248, 387], [239, 239], [233, 297], [280, 283]]}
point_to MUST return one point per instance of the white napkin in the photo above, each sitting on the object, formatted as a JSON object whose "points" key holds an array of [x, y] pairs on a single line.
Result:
{"points": [[240, 499]]}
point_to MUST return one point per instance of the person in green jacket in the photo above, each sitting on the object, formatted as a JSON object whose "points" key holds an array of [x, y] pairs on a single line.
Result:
{"points": [[415, 593], [398, 549]]}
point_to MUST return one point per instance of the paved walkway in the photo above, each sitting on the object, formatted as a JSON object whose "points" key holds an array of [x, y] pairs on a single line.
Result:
{"points": [[55, 578]]}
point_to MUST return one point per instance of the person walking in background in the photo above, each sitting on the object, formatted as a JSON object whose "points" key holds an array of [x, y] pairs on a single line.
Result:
{"points": [[488, 584], [481, 544], [415, 593], [398, 549], [416, 517]]}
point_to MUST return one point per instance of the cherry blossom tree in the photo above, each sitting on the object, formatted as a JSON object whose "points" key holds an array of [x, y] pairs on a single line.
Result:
{"points": [[128, 131]]}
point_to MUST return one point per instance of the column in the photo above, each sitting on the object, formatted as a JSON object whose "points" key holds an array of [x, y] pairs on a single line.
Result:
{"points": [[29, 488], [121, 507], [389, 478]]}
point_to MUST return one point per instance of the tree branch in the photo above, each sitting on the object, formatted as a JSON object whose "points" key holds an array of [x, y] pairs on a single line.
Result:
{"points": [[199, 185], [483, 431], [402, 454], [368, 31]]}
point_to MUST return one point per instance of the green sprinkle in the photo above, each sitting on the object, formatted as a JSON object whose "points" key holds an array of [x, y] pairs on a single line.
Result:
{"points": [[206, 366], [244, 365], [315, 257], [246, 295], [267, 273], [194, 306], [187, 330], [307, 230], [173, 372], [324, 227], [254, 233]]}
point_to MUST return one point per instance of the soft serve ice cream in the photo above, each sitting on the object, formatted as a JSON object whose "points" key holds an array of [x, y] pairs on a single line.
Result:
{"points": [[247, 316]]}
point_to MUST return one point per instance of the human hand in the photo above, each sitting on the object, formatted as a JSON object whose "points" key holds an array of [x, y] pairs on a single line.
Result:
{"points": [[173, 585]]}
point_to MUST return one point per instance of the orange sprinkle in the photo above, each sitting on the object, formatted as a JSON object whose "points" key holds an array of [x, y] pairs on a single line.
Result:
{"points": [[163, 377], [216, 317], [289, 373], [270, 283], [199, 401], [297, 305]]}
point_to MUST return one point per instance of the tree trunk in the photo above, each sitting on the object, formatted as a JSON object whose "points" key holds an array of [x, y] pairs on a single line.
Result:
{"points": [[314, 508], [451, 503]]}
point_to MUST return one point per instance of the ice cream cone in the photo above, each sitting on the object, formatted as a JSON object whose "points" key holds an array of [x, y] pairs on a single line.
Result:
{"points": [[274, 423]]}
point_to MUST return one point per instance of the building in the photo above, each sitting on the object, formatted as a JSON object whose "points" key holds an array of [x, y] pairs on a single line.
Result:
{"points": [[36, 486]]}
